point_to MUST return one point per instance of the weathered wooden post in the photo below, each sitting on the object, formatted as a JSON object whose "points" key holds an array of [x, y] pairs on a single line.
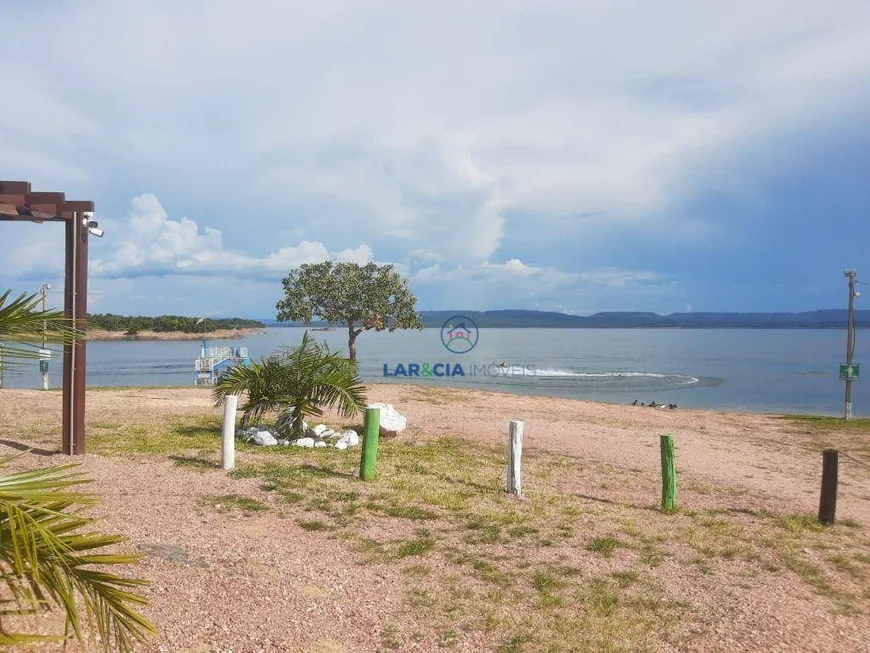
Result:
{"points": [[228, 433], [515, 458], [828, 497], [669, 474], [369, 462]]}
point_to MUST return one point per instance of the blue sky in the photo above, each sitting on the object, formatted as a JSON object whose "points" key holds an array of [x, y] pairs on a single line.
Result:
{"points": [[561, 155]]}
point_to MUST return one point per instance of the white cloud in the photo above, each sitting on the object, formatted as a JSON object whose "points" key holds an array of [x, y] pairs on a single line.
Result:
{"points": [[150, 243], [489, 284]]}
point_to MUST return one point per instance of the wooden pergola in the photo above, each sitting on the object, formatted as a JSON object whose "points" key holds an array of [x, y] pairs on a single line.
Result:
{"points": [[19, 204]]}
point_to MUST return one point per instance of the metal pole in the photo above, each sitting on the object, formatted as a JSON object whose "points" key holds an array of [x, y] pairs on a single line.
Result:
{"points": [[45, 288], [850, 338]]}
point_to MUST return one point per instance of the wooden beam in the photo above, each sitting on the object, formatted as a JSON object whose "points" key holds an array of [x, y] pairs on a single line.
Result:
{"points": [[44, 198], [12, 198], [47, 209], [22, 187], [78, 205], [8, 209]]}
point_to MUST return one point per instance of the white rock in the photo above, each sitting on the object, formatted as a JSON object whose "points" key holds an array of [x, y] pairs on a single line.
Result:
{"points": [[320, 428], [328, 433], [350, 438], [320, 443], [392, 422], [341, 445], [283, 443], [264, 439], [304, 442]]}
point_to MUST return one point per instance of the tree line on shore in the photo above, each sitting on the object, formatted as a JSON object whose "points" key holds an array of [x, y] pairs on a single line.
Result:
{"points": [[167, 323]]}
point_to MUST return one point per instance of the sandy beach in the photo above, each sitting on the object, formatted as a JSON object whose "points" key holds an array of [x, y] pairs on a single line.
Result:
{"points": [[293, 553], [217, 334]]}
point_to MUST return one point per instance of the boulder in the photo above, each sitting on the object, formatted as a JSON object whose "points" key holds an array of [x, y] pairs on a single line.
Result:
{"points": [[304, 442], [328, 433], [264, 439], [341, 445], [320, 443], [392, 422], [320, 428], [350, 438]]}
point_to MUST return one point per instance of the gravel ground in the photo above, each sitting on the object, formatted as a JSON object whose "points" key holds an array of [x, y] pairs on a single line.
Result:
{"points": [[223, 581]]}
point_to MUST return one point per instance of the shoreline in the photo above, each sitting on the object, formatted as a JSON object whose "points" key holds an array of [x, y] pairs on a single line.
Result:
{"points": [[219, 334], [499, 393]]}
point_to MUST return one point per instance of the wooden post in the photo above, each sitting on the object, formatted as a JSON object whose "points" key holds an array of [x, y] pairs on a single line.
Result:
{"points": [[228, 433], [669, 474], [515, 458], [75, 353], [369, 462], [828, 497]]}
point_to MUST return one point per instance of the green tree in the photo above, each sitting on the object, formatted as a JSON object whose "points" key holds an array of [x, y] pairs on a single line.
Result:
{"points": [[48, 548], [362, 297], [295, 383]]}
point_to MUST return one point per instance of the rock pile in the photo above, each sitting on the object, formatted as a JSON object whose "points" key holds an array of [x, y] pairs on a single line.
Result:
{"points": [[316, 437]]}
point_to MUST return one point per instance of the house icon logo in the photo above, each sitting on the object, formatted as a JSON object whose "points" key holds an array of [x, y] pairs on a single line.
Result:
{"points": [[459, 334]]}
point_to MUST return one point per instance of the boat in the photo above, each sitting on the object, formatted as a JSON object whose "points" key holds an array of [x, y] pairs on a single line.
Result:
{"points": [[214, 362]]}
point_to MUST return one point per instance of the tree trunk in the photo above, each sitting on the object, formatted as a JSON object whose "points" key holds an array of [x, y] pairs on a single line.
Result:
{"points": [[351, 341]]}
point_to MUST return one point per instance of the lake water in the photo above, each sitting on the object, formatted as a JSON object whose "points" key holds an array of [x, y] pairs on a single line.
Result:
{"points": [[753, 370]]}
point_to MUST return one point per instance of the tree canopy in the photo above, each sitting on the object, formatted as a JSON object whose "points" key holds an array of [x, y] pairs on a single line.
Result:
{"points": [[166, 323], [361, 297]]}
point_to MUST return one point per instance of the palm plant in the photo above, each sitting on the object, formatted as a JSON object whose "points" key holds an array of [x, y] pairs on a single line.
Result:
{"points": [[295, 384], [22, 324], [47, 550]]}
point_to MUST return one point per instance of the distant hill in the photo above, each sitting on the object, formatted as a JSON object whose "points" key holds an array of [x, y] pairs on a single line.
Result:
{"points": [[522, 319]]}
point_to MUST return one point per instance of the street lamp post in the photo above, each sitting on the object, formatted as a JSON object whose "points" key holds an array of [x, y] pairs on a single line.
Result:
{"points": [[44, 354]]}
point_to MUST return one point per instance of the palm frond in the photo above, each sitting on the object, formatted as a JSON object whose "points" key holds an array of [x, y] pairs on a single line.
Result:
{"points": [[23, 323], [46, 560]]}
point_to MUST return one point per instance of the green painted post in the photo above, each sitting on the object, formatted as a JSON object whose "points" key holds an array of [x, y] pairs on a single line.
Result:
{"points": [[669, 475], [369, 462]]}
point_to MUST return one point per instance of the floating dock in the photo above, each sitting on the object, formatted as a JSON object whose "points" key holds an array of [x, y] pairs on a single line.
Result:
{"points": [[213, 362]]}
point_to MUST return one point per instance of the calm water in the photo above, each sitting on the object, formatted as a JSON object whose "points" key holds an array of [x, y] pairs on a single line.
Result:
{"points": [[781, 371]]}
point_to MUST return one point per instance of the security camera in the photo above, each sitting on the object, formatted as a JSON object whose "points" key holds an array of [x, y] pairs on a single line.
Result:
{"points": [[93, 224], [95, 232]]}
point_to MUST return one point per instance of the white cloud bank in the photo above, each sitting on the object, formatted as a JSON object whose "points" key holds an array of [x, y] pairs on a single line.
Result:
{"points": [[150, 243]]}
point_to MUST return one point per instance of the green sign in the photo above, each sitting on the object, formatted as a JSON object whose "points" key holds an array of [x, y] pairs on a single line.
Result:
{"points": [[43, 367], [849, 372]]}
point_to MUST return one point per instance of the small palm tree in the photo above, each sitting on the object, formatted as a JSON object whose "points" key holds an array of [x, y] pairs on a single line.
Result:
{"points": [[47, 548], [295, 384]]}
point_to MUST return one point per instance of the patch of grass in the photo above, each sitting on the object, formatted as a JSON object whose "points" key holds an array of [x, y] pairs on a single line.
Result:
{"points": [[516, 643], [546, 582], [449, 638], [416, 571], [625, 578], [227, 502], [801, 523], [808, 572], [194, 463], [390, 637], [313, 525], [847, 565], [420, 545], [605, 545]]}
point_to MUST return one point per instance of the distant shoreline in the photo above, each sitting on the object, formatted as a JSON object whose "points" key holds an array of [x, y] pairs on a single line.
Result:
{"points": [[218, 334]]}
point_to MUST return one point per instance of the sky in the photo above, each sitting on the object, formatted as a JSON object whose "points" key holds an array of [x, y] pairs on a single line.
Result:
{"points": [[567, 155]]}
